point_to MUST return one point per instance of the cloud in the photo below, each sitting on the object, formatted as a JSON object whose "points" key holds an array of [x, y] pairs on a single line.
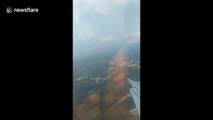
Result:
{"points": [[99, 6], [135, 34], [108, 39], [99, 24], [121, 2], [104, 7], [132, 41], [133, 37]]}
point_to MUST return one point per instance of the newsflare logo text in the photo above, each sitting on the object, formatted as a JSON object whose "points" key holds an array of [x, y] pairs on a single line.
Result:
{"points": [[18, 10]]}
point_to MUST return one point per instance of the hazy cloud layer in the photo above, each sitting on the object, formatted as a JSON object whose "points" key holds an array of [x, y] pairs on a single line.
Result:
{"points": [[108, 39], [97, 22]]}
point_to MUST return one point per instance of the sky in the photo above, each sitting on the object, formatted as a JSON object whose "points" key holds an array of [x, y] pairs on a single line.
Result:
{"points": [[104, 25]]}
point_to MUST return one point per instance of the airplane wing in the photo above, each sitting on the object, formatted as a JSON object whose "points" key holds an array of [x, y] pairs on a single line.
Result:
{"points": [[135, 93]]}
